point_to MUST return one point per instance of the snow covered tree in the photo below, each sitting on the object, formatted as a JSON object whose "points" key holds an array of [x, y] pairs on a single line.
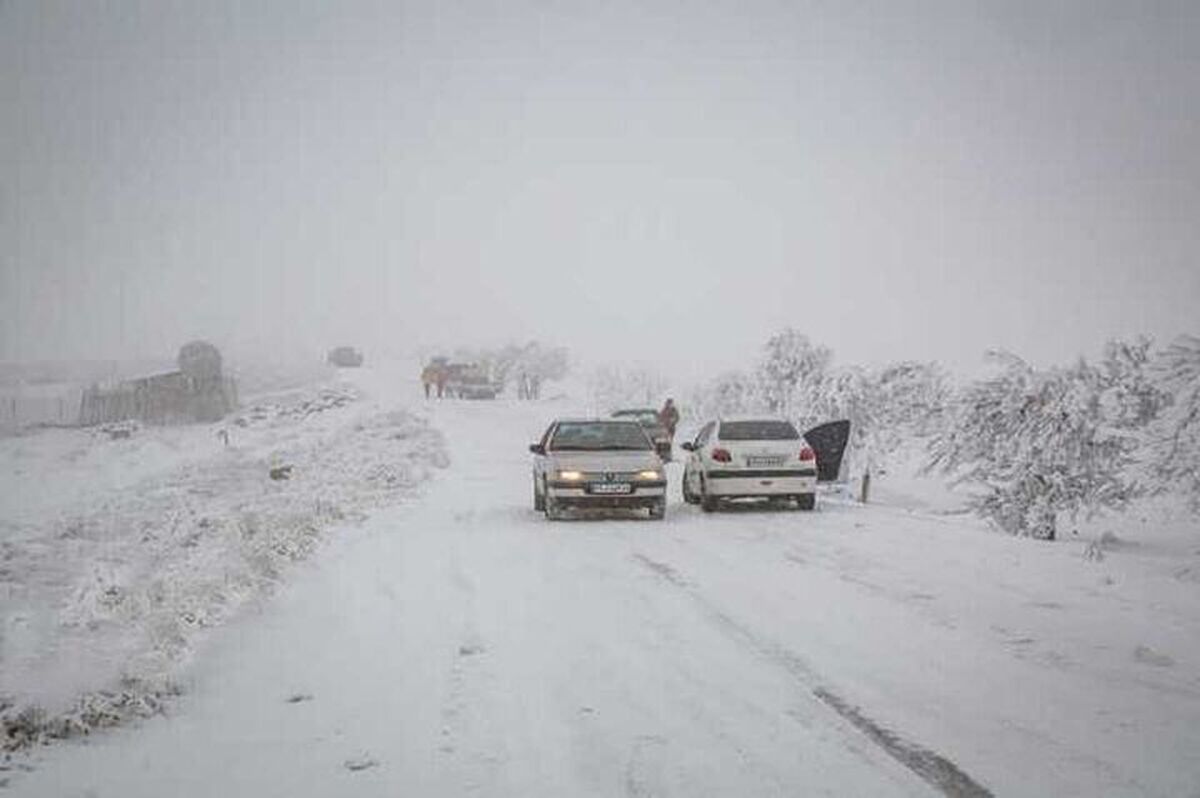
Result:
{"points": [[731, 393], [913, 397], [793, 372], [886, 407], [1174, 435], [1132, 396], [798, 380], [613, 387], [542, 364], [527, 365], [849, 393], [1036, 446]]}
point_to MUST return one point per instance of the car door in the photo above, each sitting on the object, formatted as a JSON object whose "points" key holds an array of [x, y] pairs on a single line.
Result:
{"points": [[829, 442], [695, 462]]}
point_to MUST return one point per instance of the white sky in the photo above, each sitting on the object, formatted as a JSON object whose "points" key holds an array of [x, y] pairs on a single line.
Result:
{"points": [[669, 181]]}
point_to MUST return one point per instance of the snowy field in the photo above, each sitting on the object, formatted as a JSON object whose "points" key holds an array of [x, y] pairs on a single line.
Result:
{"points": [[455, 642], [120, 546]]}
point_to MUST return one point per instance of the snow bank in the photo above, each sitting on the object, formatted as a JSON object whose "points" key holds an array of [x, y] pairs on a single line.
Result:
{"points": [[166, 534]]}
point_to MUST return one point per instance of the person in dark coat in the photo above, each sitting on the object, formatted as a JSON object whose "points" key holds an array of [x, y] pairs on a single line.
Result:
{"points": [[669, 417]]}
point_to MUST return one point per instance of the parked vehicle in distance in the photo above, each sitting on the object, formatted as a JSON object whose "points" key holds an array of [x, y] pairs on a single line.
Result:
{"points": [[469, 381], [651, 422], [345, 357], [588, 464], [749, 458]]}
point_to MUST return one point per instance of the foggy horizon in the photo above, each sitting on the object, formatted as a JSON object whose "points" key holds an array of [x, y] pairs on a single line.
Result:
{"points": [[654, 184]]}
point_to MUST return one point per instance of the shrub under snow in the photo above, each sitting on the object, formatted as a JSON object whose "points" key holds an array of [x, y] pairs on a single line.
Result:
{"points": [[1036, 445], [113, 594], [1174, 435]]}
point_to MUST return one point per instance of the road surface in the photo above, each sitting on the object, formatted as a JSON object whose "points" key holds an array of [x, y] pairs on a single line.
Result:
{"points": [[463, 645]]}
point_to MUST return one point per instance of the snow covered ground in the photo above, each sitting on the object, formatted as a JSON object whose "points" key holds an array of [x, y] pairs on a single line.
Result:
{"points": [[121, 546], [459, 643]]}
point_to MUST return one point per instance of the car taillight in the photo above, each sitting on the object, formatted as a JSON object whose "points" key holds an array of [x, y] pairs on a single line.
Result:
{"points": [[722, 456], [807, 455]]}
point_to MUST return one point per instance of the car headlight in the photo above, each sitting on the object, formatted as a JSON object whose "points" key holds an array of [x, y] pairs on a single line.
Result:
{"points": [[650, 475], [570, 476]]}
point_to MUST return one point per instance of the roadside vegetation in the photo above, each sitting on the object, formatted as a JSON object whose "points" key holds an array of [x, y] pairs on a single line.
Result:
{"points": [[1035, 449]]}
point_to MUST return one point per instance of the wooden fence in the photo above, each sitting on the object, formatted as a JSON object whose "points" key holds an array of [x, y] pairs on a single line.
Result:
{"points": [[39, 405], [172, 398]]}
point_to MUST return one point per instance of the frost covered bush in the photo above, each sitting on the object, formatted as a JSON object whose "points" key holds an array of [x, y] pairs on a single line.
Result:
{"points": [[793, 372], [730, 393], [1173, 436], [886, 407], [1036, 445], [532, 363], [612, 387], [125, 587], [1133, 393]]}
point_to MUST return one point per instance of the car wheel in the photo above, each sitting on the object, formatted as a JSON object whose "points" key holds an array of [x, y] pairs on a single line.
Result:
{"points": [[658, 510], [553, 511], [539, 498], [707, 503], [688, 496], [807, 501]]}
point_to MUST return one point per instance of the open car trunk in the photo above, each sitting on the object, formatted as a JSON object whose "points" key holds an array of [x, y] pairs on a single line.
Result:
{"points": [[829, 442]]}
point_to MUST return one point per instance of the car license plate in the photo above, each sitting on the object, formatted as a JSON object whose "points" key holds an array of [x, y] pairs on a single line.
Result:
{"points": [[759, 462], [609, 488]]}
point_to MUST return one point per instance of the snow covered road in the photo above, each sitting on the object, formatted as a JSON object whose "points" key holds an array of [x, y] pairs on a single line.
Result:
{"points": [[464, 645]]}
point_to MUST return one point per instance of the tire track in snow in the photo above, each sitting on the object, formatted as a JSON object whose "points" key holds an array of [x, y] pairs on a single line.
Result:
{"points": [[935, 769]]}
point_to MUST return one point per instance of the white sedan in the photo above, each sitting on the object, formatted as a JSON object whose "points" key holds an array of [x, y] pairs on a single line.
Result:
{"points": [[749, 458], [591, 464]]}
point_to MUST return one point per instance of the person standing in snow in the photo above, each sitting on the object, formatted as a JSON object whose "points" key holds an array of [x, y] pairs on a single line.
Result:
{"points": [[669, 417], [428, 378], [441, 377]]}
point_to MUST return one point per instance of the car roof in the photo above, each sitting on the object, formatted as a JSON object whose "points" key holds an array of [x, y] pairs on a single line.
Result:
{"points": [[593, 421], [750, 418]]}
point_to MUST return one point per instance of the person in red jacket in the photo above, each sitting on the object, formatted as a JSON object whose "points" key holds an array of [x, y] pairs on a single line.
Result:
{"points": [[428, 378]]}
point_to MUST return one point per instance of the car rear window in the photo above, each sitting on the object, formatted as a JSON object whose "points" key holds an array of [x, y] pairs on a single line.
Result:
{"points": [[757, 431], [586, 436]]}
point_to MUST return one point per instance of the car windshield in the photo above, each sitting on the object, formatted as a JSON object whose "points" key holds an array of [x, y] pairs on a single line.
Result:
{"points": [[647, 418], [757, 431], [587, 436]]}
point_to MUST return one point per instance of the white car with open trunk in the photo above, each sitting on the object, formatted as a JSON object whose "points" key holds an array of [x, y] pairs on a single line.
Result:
{"points": [[749, 458]]}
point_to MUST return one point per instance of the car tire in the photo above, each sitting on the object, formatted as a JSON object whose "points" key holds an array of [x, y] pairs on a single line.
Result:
{"points": [[553, 511], [807, 501], [688, 496], [708, 503], [539, 498], [658, 510]]}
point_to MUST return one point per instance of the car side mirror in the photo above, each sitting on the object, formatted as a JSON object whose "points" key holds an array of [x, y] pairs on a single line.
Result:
{"points": [[688, 446], [537, 448]]}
